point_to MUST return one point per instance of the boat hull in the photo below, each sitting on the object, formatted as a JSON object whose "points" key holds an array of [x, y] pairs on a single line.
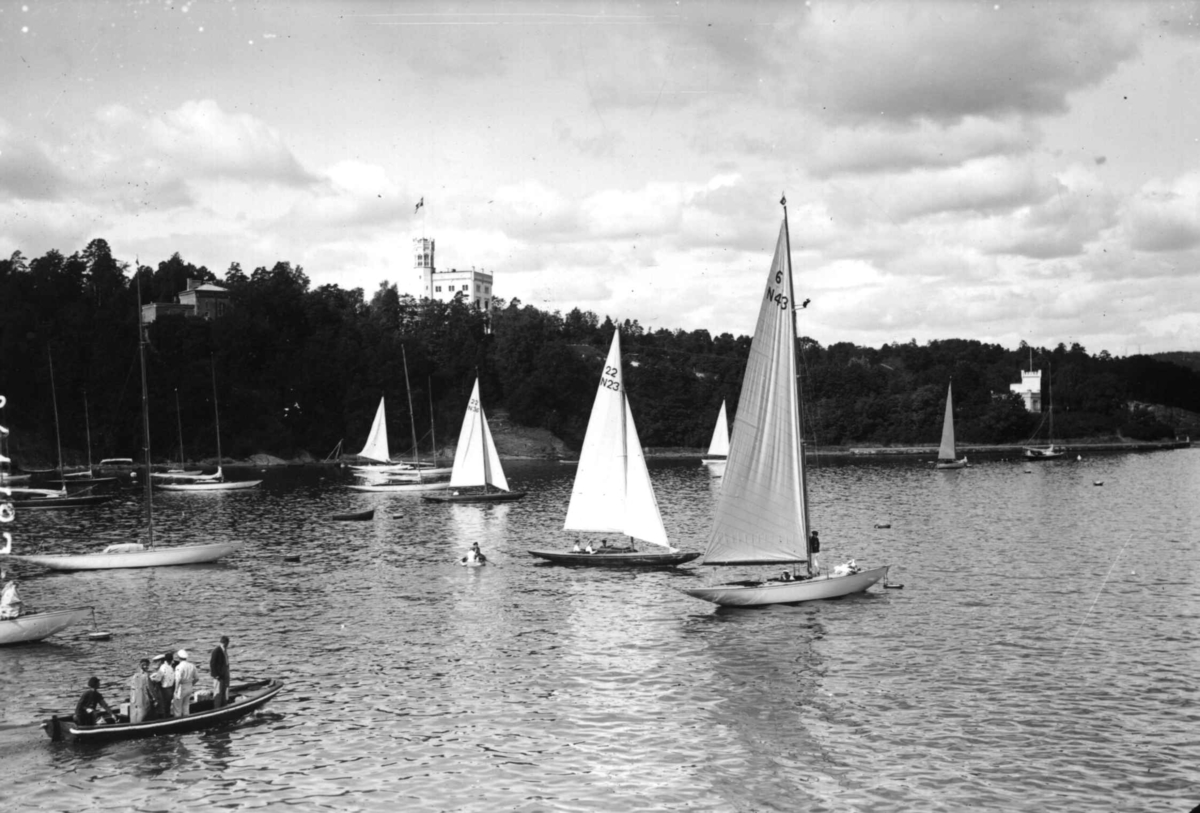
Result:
{"points": [[36, 626], [47, 503], [401, 487], [638, 559], [252, 697], [151, 557], [952, 464], [815, 589], [358, 516], [494, 496], [227, 485], [1043, 454]]}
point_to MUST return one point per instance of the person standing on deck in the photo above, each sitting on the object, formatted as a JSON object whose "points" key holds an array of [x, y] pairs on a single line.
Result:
{"points": [[164, 679], [218, 667], [814, 547], [185, 681]]}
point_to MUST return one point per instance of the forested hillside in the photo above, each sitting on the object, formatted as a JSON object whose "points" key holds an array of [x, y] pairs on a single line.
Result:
{"points": [[300, 368]]}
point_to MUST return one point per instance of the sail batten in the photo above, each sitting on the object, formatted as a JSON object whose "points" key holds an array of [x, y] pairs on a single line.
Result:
{"points": [[612, 491], [760, 516], [377, 441]]}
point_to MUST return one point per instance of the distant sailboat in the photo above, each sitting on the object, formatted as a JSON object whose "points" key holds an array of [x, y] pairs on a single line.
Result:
{"points": [[718, 447], [476, 463], [762, 513], [612, 491], [217, 481], [947, 454], [180, 473], [1050, 451]]}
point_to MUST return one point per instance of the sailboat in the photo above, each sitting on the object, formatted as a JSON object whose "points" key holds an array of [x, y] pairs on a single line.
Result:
{"points": [[132, 554], [420, 483], [476, 462], [87, 476], [762, 516], [180, 473], [718, 447], [1049, 452], [217, 481], [376, 447], [42, 498], [612, 491], [947, 454]]}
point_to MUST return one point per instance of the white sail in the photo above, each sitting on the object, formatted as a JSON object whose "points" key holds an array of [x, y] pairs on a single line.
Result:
{"points": [[377, 441], [761, 514], [947, 451], [612, 491], [475, 460], [719, 445]]}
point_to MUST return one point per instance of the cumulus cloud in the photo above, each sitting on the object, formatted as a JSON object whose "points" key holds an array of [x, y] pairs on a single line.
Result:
{"points": [[1165, 217], [26, 171]]}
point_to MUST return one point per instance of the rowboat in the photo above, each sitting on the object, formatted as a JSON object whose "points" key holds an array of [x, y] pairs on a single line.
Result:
{"points": [[36, 626], [356, 516], [243, 699], [633, 559]]}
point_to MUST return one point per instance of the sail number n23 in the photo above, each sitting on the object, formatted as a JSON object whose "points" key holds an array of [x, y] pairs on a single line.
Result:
{"points": [[610, 378]]}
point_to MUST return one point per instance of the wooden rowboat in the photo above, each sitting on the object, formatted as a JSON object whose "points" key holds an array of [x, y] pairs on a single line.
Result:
{"points": [[634, 559], [356, 516], [243, 699]]}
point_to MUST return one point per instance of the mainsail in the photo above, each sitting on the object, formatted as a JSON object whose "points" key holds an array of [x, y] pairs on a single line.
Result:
{"points": [[612, 491], [719, 445], [475, 460], [762, 514], [377, 441], [947, 451]]}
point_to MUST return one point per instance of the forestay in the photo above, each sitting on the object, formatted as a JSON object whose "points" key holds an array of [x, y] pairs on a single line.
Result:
{"points": [[761, 514], [475, 460], [377, 441], [612, 491]]}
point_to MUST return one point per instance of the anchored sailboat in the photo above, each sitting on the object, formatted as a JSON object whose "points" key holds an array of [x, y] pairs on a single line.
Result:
{"points": [[134, 554], [762, 513], [947, 454], [1049, 452], [718, 447], [217, 481], [476, 462], [612, 492]]}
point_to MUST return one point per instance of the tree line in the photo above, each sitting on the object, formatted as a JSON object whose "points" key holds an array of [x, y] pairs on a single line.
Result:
{"points": [[296, 369]]}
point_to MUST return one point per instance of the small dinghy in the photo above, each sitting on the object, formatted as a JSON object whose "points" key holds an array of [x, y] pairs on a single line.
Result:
{"points": [[356, 516]]}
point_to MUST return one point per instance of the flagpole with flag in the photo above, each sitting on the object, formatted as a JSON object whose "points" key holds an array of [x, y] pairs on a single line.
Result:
{"points": [[420, 206]]}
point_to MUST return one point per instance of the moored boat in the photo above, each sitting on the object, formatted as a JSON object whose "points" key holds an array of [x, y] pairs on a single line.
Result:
{"points": [[476, 463], [356, 516], [243, 700], [36, 626]]}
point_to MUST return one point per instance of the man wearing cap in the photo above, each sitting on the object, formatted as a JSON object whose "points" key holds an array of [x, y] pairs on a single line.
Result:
{"points": [[164, 679], [218, 667], [185, 680]]}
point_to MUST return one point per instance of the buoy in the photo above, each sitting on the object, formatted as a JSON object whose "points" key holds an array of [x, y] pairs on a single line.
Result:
{"points": [[1098, 483], [883, 524], [893, 587]]}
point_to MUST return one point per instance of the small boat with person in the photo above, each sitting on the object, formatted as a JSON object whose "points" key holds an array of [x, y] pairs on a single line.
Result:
{"points": [[244, 699]]}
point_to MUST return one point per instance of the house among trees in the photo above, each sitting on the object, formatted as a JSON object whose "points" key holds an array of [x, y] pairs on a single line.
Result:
{"points": [[445, 285], [203, 300], [1030, 389]]}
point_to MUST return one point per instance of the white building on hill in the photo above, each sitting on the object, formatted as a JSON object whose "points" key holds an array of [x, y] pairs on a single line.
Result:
{"points": [[1030, 389], [475, 286]]}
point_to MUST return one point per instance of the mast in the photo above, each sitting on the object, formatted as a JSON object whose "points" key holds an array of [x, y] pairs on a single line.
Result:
{"points": [[57, 436], [483, 445], [432, 420], [179, 424], [145, 418], [796, 383], [87, 423], [216, 410], [412, 418]]}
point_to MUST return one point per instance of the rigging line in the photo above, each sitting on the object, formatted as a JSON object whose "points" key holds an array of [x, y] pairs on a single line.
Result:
{"points": [[1098, 594]]}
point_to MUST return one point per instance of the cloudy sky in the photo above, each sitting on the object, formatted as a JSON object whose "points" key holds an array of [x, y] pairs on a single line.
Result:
{"points": [[992, 171]]}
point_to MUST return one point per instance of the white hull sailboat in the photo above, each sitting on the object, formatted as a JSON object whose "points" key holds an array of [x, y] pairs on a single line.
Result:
{"points": [[476, 463], [718, 447], [36, 626], [1050, 451], [211, 482], [612, 492], [948, 454], [133, 554], [762, 517]]}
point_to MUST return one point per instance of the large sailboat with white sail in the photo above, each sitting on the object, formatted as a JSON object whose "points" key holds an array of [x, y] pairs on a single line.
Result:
{"points": [[612, 492], [762, 516]]}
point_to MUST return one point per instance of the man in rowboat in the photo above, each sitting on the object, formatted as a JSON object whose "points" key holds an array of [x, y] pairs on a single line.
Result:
{"points": [[218, 667]]}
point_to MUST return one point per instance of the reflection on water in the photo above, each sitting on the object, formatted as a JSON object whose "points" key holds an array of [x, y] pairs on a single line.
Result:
{"points": [[1038, 612]]}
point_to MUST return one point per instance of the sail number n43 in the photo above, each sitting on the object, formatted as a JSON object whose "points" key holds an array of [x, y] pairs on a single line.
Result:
{"points": [[778, 297]]}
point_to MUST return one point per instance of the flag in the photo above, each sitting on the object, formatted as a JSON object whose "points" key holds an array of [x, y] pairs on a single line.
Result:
{"points": [[420, 203]]}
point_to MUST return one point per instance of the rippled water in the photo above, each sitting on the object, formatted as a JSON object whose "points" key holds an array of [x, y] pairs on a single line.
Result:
{"points": [[1041, 655]]}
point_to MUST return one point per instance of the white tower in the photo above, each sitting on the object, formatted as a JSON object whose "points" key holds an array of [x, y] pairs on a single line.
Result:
{"points": [[475, 286]]}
